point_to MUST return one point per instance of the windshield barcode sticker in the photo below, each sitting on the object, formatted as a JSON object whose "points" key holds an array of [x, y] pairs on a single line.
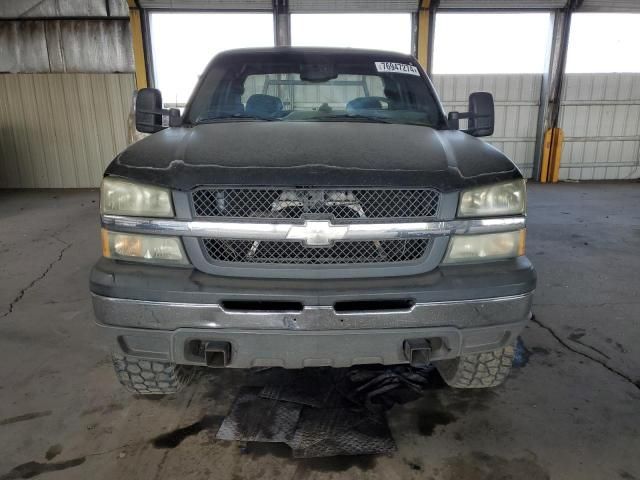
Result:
{"points": [[392, 67]]}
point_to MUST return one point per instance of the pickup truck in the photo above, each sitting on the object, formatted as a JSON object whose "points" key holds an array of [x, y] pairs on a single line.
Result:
{"points": [[311, 208]]}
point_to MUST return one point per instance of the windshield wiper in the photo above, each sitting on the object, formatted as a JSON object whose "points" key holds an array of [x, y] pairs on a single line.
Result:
{"points": [[356, 117], [236, 116], [353, 116]]}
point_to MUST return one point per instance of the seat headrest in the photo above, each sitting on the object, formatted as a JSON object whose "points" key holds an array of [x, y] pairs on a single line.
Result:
{"points": [[364, 103], [263, 104]]}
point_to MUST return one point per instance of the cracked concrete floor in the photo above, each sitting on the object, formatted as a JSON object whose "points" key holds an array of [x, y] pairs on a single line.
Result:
{"points": [[571, 413]]}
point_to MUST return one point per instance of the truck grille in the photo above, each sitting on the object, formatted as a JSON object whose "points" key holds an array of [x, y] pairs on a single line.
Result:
{"points": [[341, 252], [344, 204]]}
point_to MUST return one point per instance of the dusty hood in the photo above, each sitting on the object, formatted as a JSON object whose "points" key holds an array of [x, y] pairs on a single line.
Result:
{"points": [[312, 154]]}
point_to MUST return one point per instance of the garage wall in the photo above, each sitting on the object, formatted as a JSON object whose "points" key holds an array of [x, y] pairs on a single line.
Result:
{"points": [[61, 130], [600, 116], [65, 46], [516, 97], [66, 87]]}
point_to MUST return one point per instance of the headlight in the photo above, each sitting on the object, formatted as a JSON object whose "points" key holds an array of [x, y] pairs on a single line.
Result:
{"points": [[121, 197], [143, 248], [493, 200], [486, 247]]}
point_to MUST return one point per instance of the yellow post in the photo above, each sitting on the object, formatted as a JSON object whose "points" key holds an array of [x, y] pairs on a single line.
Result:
{"points": [[423, 33], [138, 46], [546, 155], [551, 155], [556, 155]]}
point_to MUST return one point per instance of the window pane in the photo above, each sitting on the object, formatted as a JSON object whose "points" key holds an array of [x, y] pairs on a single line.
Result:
{"points": [[604, 42], [490, 42], [377, 31], [302, 96], [183, 43]]}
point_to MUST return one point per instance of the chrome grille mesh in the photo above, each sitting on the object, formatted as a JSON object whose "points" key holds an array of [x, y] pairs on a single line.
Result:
{"points": [[362, 204], [345, 252]]}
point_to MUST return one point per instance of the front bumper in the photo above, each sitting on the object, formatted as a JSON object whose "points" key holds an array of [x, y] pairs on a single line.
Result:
{"points": [[161, 313], [298, 349]]}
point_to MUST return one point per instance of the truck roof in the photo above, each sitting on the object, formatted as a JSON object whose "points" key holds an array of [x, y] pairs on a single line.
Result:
{"points": [[344, 53]]}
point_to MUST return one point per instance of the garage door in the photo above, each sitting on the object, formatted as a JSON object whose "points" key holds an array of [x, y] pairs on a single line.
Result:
{"points": [[600, 116], [600, 106]]}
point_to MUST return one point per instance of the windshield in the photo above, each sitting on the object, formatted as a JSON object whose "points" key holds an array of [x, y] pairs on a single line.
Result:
{"points": [[309, 90]]}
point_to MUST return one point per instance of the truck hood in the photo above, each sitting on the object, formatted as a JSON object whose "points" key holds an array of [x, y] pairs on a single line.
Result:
{"points": [[349, 154]]}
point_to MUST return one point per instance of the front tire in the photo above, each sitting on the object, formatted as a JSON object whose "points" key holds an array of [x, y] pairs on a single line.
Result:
{"points": [[479, 370], [150, 377]]}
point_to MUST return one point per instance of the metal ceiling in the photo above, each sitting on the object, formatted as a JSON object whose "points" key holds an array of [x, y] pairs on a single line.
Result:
{"points": [[355, 6], [295, 6], [118, 8], [501, 4], [584, 5], [244, 5], [629, 6], [330, 6]]}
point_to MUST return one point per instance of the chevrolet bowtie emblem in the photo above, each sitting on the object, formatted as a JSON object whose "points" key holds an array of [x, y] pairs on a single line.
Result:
{"points": [[317, 233]]}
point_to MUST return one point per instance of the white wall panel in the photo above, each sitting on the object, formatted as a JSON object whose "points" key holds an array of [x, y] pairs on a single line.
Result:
{"points": [[516, 98], [61, 130], [600, 116]]}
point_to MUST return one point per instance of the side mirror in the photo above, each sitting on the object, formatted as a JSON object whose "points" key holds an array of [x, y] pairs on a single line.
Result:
{"points": [[149, 111], [480, 115]]}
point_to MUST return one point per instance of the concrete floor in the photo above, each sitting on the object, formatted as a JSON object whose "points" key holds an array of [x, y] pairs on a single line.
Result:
{"points": [[572, 412]]}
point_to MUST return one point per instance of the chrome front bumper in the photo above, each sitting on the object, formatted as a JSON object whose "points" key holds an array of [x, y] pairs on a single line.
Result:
{"points": [[171, 316]]}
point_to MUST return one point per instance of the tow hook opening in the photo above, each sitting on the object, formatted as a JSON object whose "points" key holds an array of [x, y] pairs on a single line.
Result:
{"points": [[213, 353], [217, 354], [418, 351]]}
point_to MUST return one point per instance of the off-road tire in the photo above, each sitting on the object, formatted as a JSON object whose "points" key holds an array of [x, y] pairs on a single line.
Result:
{"points": [[150, 377], [480, 370]]}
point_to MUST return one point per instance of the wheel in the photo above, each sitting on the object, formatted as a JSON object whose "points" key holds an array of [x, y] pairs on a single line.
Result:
{"points": [[479, 370], [150, 377]]}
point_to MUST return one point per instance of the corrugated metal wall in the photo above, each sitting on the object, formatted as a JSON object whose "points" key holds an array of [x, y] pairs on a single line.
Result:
{"points": [[65, 46], [61, 130], [58, 128], [516, 97], [600, 115], [63, 8]]}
